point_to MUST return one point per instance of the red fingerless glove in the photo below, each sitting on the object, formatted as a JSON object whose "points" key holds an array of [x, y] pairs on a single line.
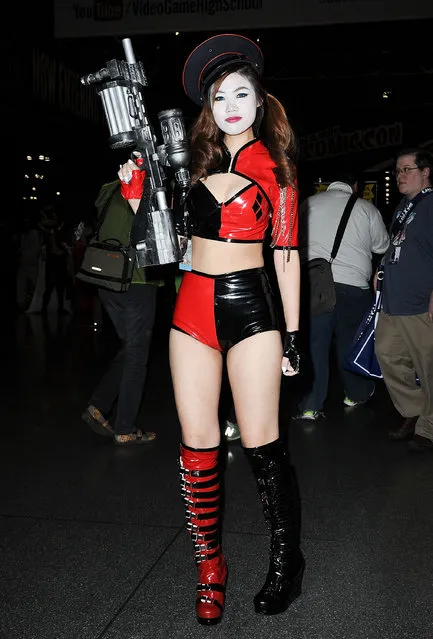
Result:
{"points": [[133, 190]]}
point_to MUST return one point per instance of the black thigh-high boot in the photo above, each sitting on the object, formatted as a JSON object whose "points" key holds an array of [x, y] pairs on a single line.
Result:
{"points": [[278, 490]]}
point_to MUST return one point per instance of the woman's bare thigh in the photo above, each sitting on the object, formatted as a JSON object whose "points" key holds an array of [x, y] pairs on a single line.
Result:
{"points": [[254, 368], [196, 371]]}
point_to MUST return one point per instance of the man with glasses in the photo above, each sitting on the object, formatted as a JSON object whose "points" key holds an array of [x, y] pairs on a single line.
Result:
{"points": [[404, 334]]}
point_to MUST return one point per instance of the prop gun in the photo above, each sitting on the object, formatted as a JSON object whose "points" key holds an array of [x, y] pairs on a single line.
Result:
{"points": [[120, 85]]}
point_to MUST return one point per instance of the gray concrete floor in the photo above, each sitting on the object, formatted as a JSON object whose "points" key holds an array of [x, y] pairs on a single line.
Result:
{"points": [[92, 543]]}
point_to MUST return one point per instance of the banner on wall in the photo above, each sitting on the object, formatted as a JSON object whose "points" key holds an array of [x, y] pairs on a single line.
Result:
{"points": [[333, 142], [369, 193], [59, 86], [88, 18]]}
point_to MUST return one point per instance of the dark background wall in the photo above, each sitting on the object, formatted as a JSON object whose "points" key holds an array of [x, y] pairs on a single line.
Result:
{"points": [[333, 80]]}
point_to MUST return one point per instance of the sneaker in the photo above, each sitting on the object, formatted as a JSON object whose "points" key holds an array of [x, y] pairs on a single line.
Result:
{"points": [[351, 404], [310, 415], [231, 431]]}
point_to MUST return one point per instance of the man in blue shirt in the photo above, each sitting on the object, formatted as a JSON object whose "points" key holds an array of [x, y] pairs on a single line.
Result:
{"points": [[404, 334]]}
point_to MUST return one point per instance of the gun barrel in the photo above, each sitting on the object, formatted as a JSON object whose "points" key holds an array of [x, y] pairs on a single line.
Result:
{"points": [[98, 76], [129, 51]]}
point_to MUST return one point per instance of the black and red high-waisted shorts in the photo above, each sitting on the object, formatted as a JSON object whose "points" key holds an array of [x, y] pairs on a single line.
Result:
{"points": [[223, 310]]}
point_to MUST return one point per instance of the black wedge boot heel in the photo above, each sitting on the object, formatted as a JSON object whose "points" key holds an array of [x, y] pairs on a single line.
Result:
{"points": [[279, 590], [278, 490]]}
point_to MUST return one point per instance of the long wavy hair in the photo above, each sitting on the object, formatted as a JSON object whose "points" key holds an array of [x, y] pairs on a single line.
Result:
{"points": [[271, 126]]}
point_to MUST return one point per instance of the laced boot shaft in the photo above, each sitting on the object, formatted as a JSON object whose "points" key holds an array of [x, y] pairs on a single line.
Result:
{"points": [[200, 484], [278, 490]]}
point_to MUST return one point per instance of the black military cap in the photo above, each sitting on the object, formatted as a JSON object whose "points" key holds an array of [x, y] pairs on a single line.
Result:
{"points": [[215, 56]]}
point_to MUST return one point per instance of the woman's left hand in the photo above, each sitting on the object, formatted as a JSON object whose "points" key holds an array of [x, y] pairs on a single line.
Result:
{"points": [[291, 354]]}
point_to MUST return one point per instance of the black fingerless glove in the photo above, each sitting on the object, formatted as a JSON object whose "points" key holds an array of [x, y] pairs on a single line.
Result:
{"points": [[292, 349]]}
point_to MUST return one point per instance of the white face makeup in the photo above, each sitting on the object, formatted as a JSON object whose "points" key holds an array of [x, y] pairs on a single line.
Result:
{"points": [[235, 105]]}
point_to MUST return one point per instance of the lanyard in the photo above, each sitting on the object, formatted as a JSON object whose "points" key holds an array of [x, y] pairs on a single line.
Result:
{"points": [[397, 232], [402, 216]]}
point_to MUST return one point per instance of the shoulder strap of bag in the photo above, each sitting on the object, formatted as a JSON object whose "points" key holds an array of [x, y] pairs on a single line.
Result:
{"points": [[342, 226]]}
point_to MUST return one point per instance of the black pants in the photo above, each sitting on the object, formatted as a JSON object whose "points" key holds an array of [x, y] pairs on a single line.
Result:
{"points": [[133, 316], [342, 322], [56, 275]]}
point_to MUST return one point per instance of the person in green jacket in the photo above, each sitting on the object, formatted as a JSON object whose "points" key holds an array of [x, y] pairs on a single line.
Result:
{"points": [[133, 316]]}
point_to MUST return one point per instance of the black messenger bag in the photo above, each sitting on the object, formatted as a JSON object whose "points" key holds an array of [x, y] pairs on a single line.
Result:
{"points": [[108, 263]]}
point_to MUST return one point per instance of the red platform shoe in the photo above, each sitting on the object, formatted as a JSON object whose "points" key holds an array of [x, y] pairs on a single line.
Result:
{"points": [[201, 493]]}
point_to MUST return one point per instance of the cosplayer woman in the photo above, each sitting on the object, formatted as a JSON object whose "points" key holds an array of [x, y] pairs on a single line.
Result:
{"points": [[242, 182]]}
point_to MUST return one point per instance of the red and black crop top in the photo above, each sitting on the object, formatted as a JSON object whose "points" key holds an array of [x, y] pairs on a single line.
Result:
{"points": [[245, 216]]}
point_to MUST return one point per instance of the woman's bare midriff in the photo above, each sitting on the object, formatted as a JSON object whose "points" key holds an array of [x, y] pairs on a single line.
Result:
{"points": [[214, 257]]}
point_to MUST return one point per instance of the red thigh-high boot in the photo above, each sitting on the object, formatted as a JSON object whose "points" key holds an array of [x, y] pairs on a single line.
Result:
{"points": [[199, 473], [278, 490]]}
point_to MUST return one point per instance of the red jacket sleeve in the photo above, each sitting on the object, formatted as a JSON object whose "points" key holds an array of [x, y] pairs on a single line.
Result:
{"points": [[285, 218]]}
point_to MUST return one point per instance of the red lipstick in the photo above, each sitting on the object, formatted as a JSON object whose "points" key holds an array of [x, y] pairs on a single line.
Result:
{"points": [[234, 118]]}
